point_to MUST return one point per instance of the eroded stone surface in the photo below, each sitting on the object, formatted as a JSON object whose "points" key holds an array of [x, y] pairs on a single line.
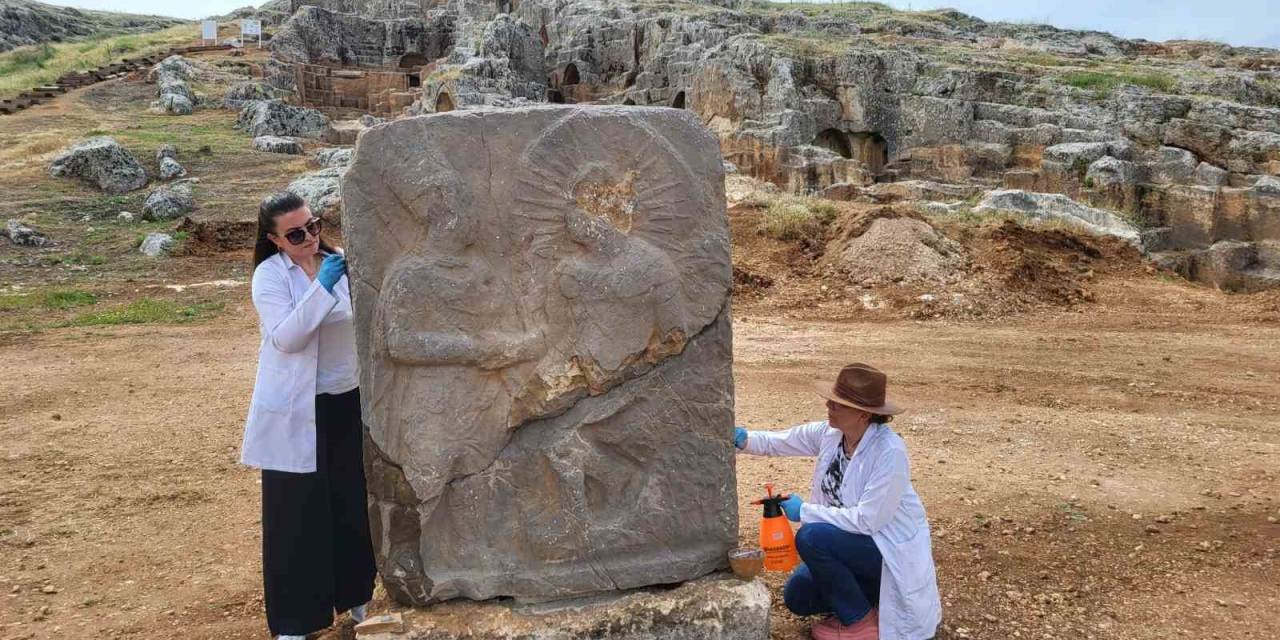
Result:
{"points": [[103, 163], [713, 608], [545, 350]]}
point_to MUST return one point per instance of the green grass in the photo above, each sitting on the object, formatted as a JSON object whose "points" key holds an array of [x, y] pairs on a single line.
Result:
{"points": [[146, 311], [810, 44], [27, 67], [798, 219], [54, 299], [1103, 83]]}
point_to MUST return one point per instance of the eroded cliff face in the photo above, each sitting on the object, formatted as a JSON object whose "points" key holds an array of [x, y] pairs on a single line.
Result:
{"points": [[1181, 137]]}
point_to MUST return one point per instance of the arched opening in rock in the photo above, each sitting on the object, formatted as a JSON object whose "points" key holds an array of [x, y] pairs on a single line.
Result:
{"points": [[444, 102], [554, 96], [570, 75], [629, 102], [678, 101], [415, 80], [413, 61], [835, 141], [871, 149]]}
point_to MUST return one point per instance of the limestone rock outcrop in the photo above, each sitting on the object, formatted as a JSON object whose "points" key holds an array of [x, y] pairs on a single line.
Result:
{"points": [[169, 202], [323, 191], [1054, 206], [278, 144], [275, 118], [835, 99], [545, 350], [23, 22], [103, 163]]}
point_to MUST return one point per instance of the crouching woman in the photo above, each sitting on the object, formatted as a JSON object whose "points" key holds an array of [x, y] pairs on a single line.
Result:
{"points": [[304, 428], [864, 537]]}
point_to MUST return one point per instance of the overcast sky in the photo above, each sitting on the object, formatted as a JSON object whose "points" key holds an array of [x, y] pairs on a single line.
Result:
{"points": [[1238, 22]]}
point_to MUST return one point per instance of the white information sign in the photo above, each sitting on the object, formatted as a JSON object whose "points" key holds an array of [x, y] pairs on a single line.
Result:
{"points": [[248, 28], [209, 30]]}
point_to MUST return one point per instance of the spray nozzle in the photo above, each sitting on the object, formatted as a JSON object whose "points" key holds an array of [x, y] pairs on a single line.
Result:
{"points": [[772, 503]]}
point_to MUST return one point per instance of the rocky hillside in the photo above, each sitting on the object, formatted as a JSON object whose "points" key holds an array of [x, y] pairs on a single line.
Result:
{"points": [[23, 22], [1174, 144]]}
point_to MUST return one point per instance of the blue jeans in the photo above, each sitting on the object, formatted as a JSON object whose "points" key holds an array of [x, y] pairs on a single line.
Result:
{"points": [[840, 574]]}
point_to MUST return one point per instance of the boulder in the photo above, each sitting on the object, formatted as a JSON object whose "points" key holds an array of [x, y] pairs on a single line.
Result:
{"points": [[171, 76], [245, 92], [170, 169], [333, 157], [323, 192], [166, 151], [156, 244], [103, 163], [175, 67], [24, 236], [1054, 206], [275, 118], [343, 132], [277, 144], [169, 202], [173, 104], [572, 311], [175, 87]]}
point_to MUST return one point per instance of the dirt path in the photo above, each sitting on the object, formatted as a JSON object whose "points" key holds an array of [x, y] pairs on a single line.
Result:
{"points": [[1107, 474]]}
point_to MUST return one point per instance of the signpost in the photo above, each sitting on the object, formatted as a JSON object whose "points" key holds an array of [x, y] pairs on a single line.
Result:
{"points": [[209, 31], [251, 28]]}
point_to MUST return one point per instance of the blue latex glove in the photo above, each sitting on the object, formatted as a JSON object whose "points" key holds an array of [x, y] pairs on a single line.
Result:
{"points": [[331, 270], [739, 437], [791, 506]]}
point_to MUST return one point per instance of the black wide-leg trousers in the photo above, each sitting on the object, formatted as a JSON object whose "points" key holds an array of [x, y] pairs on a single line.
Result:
{"points": [[317, 557]]}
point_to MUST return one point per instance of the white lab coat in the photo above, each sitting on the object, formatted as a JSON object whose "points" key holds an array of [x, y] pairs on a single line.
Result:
{"points": [[280, 433], [877, 485]]}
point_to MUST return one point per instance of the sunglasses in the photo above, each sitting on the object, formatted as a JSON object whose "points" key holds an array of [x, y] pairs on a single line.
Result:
{"points": [[298, 235]]}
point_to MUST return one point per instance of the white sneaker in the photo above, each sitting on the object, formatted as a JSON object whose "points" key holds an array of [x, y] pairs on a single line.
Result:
{"points": [[360, 613], [291, 638]]}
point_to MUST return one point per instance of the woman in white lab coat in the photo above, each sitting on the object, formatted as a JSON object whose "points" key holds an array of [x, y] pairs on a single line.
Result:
{"points": [[304, 428], [864, 538]]}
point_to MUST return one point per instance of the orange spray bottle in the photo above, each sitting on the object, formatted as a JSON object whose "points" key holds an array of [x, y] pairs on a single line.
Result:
{"points": [[776, 537]]}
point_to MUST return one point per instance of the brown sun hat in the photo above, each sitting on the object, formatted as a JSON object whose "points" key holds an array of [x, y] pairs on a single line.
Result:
{"points": [[860, 386]]}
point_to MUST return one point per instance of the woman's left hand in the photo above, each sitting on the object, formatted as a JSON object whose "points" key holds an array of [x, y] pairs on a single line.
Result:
{"points": [[791, 506]]}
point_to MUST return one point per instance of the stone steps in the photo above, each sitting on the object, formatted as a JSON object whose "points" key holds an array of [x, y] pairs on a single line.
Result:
{"points": [[76, 80]]}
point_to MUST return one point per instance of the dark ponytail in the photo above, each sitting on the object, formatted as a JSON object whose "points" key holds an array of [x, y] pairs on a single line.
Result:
{"points": [[269, 209]]}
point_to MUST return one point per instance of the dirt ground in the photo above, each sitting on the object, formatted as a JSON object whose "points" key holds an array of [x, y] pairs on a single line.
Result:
{"points": [[1102, 467], [1105, 474]]}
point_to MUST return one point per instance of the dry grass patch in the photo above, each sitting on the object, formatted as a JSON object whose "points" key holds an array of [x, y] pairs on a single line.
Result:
{"points": [[27, 67]]}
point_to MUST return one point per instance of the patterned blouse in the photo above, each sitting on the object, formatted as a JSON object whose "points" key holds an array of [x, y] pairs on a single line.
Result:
{"points": [[835, 477]]}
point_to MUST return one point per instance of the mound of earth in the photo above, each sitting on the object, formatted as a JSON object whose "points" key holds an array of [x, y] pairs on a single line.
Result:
{"points": [[23, 22], [886, 245], [888, 261]]}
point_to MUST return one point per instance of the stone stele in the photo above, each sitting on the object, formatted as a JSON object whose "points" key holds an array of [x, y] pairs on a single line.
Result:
{"points": [[542, 311]]}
